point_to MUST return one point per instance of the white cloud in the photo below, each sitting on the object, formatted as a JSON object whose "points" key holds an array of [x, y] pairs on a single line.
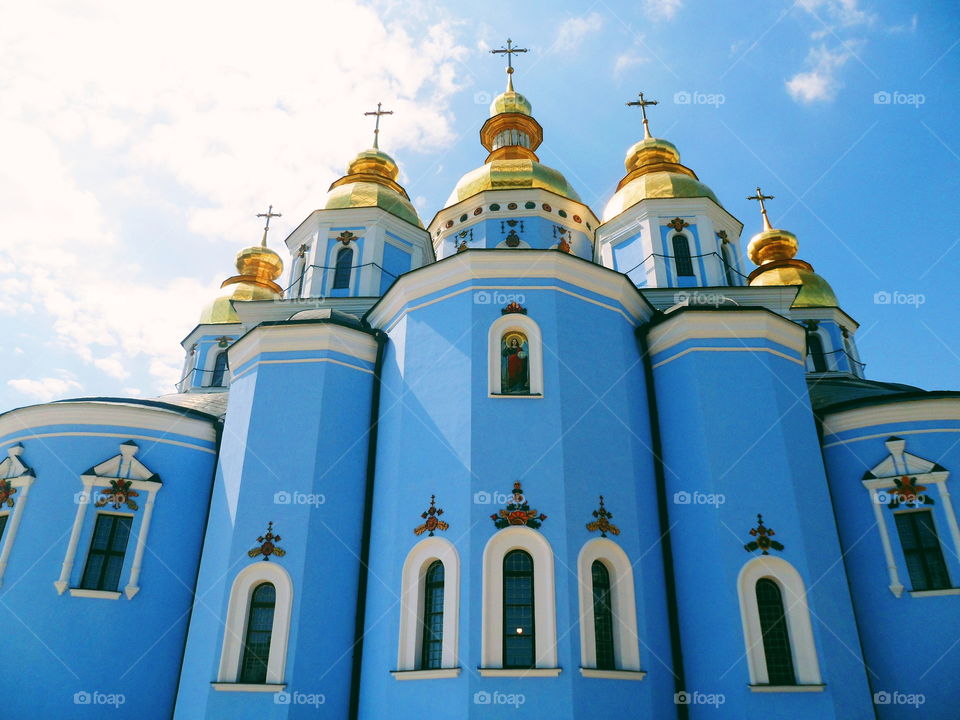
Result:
{"points": [[45, 389], [820, 83], [628, 60], [843, 13], [573, 31], [120, 122], [661, 9]]}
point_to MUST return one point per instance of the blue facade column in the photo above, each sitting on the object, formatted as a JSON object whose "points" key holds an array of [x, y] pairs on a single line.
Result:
{"points": [[738, 441]]}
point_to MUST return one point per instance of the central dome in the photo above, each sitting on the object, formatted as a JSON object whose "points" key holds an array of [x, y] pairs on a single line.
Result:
{"points": [[519, 174]]}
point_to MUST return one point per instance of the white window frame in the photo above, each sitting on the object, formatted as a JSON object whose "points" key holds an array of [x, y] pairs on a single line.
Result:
{"points": [[524, 324], [623, 606], [806, 666], [544, 598], [415, 567], [121, 467], [235, 628], [20, 478]]}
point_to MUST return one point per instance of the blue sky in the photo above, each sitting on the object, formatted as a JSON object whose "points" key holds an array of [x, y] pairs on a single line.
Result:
{"points": [[136, 164]]}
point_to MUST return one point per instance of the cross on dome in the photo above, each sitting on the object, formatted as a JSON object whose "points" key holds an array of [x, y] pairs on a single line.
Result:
{"points": [[509, 51], [760, 197], [642, 103], [266, 228], [376, 127]]}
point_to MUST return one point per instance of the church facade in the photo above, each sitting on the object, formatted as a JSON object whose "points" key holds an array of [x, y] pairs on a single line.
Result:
{"points": [[519, 458]]}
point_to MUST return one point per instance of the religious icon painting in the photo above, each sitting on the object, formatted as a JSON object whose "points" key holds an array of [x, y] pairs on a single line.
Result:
{"points": [[515, 364]]}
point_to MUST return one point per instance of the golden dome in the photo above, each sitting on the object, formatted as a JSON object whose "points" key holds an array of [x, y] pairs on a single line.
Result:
{"points": [[371, 181], [510, 102], [259, 267], [654, 171], [516, 174]]}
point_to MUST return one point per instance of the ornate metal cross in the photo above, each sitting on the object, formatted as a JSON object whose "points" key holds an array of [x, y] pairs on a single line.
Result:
{"points": [[266, 228], [760, 197], [376, 127], [509, 51], [642, 103]]}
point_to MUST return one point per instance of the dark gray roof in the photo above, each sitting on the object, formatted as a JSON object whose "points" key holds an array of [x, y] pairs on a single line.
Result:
{"points": [[214, 403], [831, 394]]}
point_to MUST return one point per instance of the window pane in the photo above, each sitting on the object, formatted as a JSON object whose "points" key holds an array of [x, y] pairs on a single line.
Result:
{"points": [[341, 275], [518, 610], [776, 640], [431, 655], [921, 550], [681, 255], [256, 650], [107, 549], [602, 616], [3, 524]]}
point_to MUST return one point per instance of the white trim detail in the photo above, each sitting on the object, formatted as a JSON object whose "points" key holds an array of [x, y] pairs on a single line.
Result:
{"points": [[544, 597], [438, 674], [740, 325], [931, 409], [238, 610], [623, 605], [120, 467], [613, 674], [805, 663], [248, 687], [788, 688], [419, 559], [935, 593], [519, 672], [102, 594], [526, 325], [20, 477]]}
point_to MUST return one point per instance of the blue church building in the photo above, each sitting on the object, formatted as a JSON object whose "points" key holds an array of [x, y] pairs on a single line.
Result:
{"points": [[521, 460]]}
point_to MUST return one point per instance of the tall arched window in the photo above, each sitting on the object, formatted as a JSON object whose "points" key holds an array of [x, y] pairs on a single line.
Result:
{"points": [[256, 644], [431, 653], [519, 638], [776, 638], [681, 255], [219, 370], [602, 616], [341, 274], [818, 358]]}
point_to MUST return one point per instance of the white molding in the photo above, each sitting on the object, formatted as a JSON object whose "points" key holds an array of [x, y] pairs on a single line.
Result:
{"points": [[238, 608], [20, 477], [308, 337], [520, 672], [794, 594], [529, 327], [418, 560], [740, 325], [934, 593], [613, 674], [623, 605], [437, 674], [805, 688], [102, 594], [892, 412], [248, 687], [744, 348], [544, 597], [92, 412]]}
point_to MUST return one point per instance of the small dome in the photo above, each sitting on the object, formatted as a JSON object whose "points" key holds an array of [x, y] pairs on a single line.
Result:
{"points": [[374, 161], [510, 102], [516, 174], [656, 185], [259, 262], [258, 268], [371, 194], [651, 150], [814, 291]]}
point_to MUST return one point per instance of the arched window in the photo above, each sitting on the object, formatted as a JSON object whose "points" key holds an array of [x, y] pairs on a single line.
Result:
{"points": [[431, 653], [681, 255], [519, 637], [515, 356], [256, 644], [514, 364], [776, 638], [341, 274], [602, 616], [815, 352], [219, 370]]}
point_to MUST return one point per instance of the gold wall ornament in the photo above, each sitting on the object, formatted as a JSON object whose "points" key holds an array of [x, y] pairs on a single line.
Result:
{"points": [[432, 521], [223, 341], [763, 541], [722, 234], [602, 521], [267, 546], [346, 237], [678, 224]]}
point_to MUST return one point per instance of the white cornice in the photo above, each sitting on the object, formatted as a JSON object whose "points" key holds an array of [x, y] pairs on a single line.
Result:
{"points": [[302, 337], [910, 411], [517, 265], [653, 208], [88, 413], [740, 324], [365, 216]]}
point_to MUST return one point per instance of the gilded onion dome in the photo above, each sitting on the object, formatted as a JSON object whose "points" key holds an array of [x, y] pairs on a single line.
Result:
{"points": [[774, 250], [654, 171], [258, 269], [371, 181], [511, 135]]}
